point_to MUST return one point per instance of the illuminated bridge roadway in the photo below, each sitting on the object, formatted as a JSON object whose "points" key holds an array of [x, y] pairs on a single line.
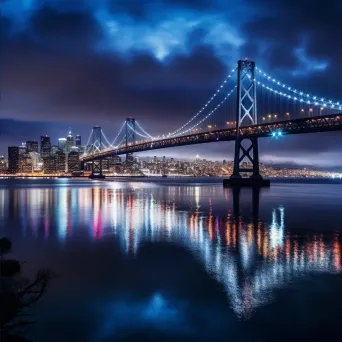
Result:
{"points": [[315, 124]]}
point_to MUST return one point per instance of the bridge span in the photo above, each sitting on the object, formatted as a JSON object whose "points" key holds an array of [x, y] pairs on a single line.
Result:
{"points": [[297, 126], [274, 110]]}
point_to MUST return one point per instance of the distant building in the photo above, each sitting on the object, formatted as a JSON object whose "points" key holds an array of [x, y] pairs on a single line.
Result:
{"points": [[62, 144], [78, 141], [26, 165], [81, 149], [45, 146], [3, 164], [49, 165], [13, 159], [22, 150], [73, 161], [54, 149], [129, 159], [60, 161], [36, 161], [31, 146], [114, 161], [69, 142]]}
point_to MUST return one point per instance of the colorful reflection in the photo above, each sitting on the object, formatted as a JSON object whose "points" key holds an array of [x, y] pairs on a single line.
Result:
{"points": [[248, 257]]}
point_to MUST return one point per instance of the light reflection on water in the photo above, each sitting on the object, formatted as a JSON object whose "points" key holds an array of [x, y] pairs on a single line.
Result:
{"points": [[248, 256]]}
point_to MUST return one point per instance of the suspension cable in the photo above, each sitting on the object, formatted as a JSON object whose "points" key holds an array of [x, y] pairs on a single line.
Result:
{"points": [[109, 144], [317, 99], [133, 130], [206, 105], [122, 127], [210, 113], [149, 135]]}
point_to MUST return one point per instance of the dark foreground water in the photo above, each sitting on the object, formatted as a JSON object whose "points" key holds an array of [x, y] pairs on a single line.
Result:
{"points": [[179, 262]]}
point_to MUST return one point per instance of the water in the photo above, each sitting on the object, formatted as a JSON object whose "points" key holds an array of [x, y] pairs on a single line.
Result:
{"points": [[141, 261]]}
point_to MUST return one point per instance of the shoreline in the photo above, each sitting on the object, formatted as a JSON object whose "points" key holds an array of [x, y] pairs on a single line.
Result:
{"points": [[169, 179]]}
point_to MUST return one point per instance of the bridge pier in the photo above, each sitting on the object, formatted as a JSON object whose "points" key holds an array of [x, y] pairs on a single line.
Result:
{"points": [[246, 114], [96, 170], [242, 152]]}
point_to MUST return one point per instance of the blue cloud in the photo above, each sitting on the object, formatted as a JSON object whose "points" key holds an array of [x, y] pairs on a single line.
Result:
{"points": [[308, 65], [168, 35]]}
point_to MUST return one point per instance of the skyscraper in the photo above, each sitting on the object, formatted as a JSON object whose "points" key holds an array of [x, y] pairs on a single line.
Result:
{"points": [[26, 164], [50, 165], [60, 161], [45, 146], [31, 146], [54, 149], [73, 161], [69, 142], [36, 162], [62, 144], [22, 150], [13, 159], [3, 164], [78, 141]]}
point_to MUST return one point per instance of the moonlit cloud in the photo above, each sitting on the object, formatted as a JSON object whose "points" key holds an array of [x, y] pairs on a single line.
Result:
{"points": [[308, 65], [169, 35]]}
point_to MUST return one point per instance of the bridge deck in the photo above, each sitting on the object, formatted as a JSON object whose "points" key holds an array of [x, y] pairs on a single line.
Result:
{"points": [[316, 124]]}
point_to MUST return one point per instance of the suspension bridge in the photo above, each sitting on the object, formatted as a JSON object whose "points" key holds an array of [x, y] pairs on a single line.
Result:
{"points": [[244, 108]]}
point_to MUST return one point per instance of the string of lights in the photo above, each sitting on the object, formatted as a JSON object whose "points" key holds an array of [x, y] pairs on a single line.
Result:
{"points": [[117, 146], [316, 99], [87, 145], [295, 98], [122, 127], [149, 135], [206, 105], [136, 132], [109, 144], [210, 113]]}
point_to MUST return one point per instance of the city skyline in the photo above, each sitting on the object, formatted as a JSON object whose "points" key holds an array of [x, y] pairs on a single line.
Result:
{"points": [[189, 156], [165, 75]]}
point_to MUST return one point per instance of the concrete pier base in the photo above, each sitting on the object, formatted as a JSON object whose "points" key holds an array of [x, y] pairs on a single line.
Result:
{"points": [[257, 182], [97, 177]]}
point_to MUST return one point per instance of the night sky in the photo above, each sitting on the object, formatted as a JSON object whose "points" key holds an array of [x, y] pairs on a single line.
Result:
{"points": [[79, 63]]}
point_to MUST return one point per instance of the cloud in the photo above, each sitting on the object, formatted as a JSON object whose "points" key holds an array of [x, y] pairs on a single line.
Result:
{"points": [[308, 65]]}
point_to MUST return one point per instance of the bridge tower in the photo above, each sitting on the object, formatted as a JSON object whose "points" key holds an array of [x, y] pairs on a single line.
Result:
{"points": [[246, 114], [130, 138], [96, 165]]}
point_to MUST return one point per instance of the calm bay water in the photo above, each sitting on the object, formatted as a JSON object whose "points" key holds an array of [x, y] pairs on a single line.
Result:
{"points": [[163, 261]]}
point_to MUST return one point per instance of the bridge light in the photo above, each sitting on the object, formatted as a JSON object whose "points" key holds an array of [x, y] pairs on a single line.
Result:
{"points": [[275, 115], [310, 109], [302, 110], [263, 118], [274, 134], [269, 115], [287, 114], [280, 133]]}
